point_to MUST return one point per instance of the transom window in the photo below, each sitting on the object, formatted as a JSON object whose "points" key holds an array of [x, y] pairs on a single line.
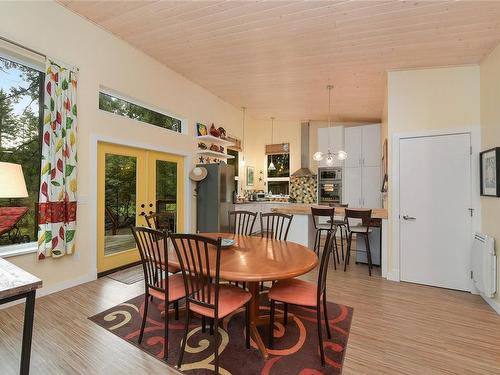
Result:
{"points": [[122, 107]]}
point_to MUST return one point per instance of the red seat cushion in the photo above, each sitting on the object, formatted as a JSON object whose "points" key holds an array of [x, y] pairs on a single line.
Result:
{"points": [[9, 216], [230, 299], [176, 289], [173, 269], [294, 291]]}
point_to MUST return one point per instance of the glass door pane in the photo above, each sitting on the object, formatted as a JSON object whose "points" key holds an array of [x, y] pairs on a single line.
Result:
{"points": [[121, 188], [166, 189], [166, 194], [120, 203]]}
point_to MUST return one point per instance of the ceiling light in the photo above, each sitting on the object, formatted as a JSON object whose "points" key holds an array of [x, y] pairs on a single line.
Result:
{"points": [[340, 155]]}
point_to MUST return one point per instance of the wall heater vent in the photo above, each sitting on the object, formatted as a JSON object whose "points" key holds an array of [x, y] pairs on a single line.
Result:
{"points": [[484, 265]]}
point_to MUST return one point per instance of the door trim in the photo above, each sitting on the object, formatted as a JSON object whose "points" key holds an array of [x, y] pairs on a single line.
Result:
{"points": [[92, 194], [392, 271]]}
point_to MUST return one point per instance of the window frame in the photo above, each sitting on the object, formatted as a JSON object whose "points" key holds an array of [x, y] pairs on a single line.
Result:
{"points": [[29, 60], [107, 91], [278, 179]]}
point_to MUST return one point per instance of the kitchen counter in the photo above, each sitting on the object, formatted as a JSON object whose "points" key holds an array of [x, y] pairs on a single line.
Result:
{"points": [[302, 230], [305, 209]]}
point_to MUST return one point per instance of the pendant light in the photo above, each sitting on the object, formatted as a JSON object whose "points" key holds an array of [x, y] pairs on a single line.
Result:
{"points": [[340, 155], [271, 166], [242, 161]]}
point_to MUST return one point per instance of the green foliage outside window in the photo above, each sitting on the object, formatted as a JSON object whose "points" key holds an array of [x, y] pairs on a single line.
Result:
{"points": [[282, 164], [21, 99], [136, 112]]}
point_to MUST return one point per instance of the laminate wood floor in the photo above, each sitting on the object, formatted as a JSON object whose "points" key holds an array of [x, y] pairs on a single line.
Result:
{"points": [[398, 328]]}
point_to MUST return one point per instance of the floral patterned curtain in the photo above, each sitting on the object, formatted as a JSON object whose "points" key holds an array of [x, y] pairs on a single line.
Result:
{"points": [[57, 202]]}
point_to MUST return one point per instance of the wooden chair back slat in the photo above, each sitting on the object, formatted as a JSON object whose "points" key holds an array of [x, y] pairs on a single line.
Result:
{"points": [[152, 246], [323, 266], [242, 222], [197, 256], [275, 225]]}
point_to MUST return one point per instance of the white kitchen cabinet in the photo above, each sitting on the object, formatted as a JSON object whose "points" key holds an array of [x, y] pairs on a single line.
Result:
{"points": [[331, 139], [353, 144], [362, 175], [371, 145], [371, 186], [351, 188]]}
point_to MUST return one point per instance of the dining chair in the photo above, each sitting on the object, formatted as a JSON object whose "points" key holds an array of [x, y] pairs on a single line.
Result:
{"points": [[341, 225], [242, 222], [358, 223], [317, 214], [199, 258], [163, 221], [303, 293], [276, 225], [152, 246]]}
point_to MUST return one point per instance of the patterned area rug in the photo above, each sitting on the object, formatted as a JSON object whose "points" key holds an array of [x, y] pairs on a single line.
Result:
{"points": [[296, 349]]}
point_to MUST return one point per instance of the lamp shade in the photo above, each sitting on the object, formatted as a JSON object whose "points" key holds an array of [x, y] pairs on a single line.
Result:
{"points": [[12, 183]]}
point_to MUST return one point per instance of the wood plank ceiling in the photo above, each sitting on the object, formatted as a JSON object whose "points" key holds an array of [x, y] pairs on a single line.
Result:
{"points": [[276, 57]]}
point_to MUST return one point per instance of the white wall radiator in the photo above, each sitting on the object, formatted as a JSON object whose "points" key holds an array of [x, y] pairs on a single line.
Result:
{"points": [[484, 265]]}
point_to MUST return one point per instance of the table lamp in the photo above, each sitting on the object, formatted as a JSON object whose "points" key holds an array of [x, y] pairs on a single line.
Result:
{"points": [[12, 183]]}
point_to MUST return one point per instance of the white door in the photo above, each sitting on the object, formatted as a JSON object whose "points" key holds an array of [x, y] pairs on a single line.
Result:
{"points": [[371, 186], [353, 146], [371, 145], [352, 187], [435, 221]]}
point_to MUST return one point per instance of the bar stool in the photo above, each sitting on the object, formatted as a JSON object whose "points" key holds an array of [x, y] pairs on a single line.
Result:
{"points": [[329, 228], [340, 224], [359, 229]]}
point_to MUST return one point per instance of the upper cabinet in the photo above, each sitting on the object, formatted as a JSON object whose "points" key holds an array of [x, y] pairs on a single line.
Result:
{"points": [[331, 139], [362, 144], [371, 145], [353, 144]]}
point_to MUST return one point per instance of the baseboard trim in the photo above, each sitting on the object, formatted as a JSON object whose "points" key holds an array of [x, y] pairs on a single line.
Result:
{"points": [[54, 288], [495, 305], [393, 275]]}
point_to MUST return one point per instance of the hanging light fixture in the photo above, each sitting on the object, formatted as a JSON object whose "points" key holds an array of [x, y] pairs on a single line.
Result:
{"points": [[271, 166], [242, 161], [340, 155]]}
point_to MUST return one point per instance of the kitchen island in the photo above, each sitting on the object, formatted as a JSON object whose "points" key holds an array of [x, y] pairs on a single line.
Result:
{"points": [[302, 229]]}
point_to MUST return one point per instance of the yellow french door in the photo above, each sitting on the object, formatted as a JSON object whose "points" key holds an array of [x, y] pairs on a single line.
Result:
{"points": [[131, 184]]}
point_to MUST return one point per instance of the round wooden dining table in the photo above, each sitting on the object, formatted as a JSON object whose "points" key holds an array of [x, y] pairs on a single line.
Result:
{"points": [[254, 259]]}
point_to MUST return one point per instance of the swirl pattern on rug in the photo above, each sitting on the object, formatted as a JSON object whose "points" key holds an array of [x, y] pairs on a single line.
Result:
{"points": [[296, 349]]}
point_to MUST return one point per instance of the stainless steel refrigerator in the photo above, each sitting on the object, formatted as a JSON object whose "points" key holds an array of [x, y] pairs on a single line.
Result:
{"points": [[215, 198]]}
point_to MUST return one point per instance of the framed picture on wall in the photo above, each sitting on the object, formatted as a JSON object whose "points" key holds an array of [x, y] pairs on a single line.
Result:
{"points": [[489, 167], [250, 176]]}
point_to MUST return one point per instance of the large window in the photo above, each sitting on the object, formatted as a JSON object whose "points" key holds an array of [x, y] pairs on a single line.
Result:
{"points": [[21, 97], [134, 111], [281, 163], [278, 179]]}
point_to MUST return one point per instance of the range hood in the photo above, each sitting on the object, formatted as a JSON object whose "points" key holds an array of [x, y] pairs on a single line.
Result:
{"points": [[304, 170]]}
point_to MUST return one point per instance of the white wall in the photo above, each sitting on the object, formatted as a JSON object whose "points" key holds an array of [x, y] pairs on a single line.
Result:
{"points": [[490, 137], [428, 100], [106, 60]]}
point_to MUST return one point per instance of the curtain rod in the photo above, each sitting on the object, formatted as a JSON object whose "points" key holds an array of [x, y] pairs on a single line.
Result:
{"points": [[30, 50], [23, 47]]}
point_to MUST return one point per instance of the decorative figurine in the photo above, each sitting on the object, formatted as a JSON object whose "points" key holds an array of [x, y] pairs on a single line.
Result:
{"points": [[202, 146], [214, 148], [214, 131], [222, 132]]}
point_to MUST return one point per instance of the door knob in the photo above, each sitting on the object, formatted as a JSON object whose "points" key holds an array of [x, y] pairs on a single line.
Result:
{"points": [[406, 217]]}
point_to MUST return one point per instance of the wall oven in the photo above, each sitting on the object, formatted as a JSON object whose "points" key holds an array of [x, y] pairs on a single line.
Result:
{"points": [[329, 185]]}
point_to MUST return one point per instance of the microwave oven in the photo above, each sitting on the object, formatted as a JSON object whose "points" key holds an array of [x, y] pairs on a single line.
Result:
{"points": [[329, 174]]}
